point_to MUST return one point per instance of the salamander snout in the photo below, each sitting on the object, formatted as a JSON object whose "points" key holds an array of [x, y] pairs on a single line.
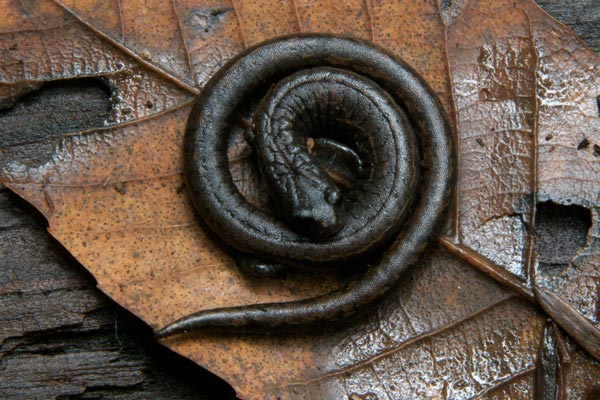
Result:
{"points": [[317, 221]]}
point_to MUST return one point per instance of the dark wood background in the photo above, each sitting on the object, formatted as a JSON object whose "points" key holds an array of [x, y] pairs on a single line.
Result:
{"points": [[60, 338]]}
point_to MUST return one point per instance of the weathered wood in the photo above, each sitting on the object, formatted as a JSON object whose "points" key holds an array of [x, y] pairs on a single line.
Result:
{"points": [[59, 336], [583, 16]]}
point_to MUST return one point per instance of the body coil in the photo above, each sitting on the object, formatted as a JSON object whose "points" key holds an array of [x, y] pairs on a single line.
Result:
{"points": [[361, 102]]}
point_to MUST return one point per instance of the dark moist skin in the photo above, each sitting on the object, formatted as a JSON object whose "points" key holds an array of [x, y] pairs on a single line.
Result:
{"points": [[356, 99]]}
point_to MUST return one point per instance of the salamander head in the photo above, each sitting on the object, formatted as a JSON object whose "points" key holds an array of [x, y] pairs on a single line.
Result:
{"points": [[317, 218]]}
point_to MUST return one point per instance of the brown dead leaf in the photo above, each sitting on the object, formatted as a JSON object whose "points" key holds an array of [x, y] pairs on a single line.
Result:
{"points": [[520, 87], [525, 92]]}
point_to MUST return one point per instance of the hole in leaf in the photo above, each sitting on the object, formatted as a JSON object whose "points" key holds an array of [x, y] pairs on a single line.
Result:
{"points": [[29, 125], [560, 231]]}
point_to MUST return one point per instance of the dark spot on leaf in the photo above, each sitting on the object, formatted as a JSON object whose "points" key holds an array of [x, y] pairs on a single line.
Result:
{"points": [[549, 137], [32, 126], [480, 142], [120, 187], [560, 231], [583, 144]]}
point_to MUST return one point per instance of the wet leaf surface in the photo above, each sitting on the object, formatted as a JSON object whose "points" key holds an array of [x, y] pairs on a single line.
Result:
{"points": [[521, 90]]}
